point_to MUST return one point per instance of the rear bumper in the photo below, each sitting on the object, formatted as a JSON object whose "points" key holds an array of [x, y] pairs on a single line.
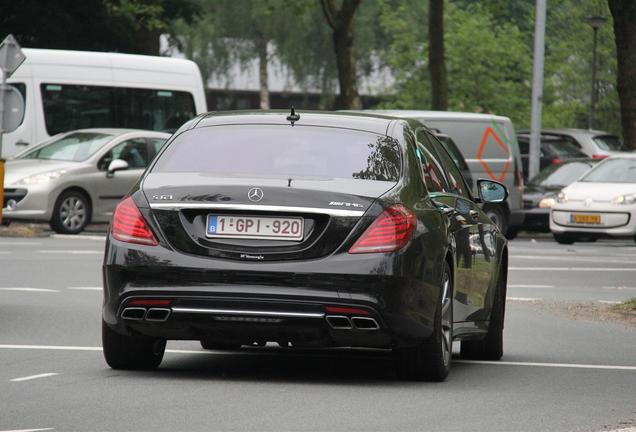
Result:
{"points": [[246, 302]]}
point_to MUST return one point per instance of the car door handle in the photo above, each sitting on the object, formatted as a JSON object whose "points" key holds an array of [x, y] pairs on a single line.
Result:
{"points": [[474, 214], [21, 143]]}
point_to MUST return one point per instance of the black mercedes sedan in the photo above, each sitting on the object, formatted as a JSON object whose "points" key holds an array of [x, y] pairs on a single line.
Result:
{"points": [[307, 230]]}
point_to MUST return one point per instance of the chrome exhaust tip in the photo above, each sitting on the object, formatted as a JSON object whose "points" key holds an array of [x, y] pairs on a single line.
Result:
{"points": [[339, 322], [365, 323], [133, 313], [157, 314]]}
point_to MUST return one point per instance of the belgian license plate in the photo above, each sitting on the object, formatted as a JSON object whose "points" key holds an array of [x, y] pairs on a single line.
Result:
{"points": [[254, 227], [581, 218]]}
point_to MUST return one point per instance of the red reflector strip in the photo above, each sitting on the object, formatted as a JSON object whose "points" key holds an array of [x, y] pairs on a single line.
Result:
{"points": [[149, 302], [346, 310], [599, 156]]}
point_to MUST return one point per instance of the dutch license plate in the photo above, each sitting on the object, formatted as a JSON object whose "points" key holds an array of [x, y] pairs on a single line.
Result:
{"points": [[254, 227], [590, 219]]}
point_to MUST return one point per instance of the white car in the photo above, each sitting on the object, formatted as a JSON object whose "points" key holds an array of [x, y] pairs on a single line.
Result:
{"points": [[602, 203]]}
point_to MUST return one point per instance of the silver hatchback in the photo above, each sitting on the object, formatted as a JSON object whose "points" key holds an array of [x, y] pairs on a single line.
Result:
{"points": [[77, 177]]}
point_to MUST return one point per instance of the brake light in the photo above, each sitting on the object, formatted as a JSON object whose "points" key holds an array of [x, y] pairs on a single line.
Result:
{"points": [[556, 161], [346, 310], [518, 177], [150, 302], [129, 225], [390, 232], [599, 156]]}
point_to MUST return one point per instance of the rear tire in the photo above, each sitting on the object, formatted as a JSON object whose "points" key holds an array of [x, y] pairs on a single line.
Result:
{"points": [[563, 239], [431, 360], [131, 352], [211, 345], [491, 347], [497, 214], [71, 213]]}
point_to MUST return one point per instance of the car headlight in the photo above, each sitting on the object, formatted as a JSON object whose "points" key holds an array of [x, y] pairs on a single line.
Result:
{"points": [[625, 199], [561, 197], [42, 178], [547, 202]]}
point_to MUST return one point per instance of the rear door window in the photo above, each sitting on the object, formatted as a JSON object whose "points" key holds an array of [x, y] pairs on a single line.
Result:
{"points": [[283, 151]]}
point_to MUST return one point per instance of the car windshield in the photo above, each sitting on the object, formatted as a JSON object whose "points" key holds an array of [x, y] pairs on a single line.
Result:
{"points": [[74, 147], [609, 142], [561, 175], [619, 170], [283, 151]]}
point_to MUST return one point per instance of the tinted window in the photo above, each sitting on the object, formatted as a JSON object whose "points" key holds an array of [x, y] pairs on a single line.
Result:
{"points": [[133, 151], [432, 171], [68, 107], [613, 171], [454, 152], [609, 142], [457, 183], [561, 175], [283, 151], [561, 147], [76, 147]]}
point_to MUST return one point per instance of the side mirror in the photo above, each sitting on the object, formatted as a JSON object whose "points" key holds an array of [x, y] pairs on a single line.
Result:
{"points": [[116, 165], [491, 191]]}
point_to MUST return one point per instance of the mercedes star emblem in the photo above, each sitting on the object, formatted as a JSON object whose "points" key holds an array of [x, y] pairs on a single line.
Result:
{"points": [[255, 194]]}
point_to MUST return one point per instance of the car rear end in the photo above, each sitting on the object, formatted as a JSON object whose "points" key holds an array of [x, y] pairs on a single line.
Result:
{"points": [[244, 233]]}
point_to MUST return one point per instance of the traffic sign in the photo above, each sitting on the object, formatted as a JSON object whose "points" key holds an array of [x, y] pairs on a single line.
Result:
{"points": [[11, 55], [13, 108]]}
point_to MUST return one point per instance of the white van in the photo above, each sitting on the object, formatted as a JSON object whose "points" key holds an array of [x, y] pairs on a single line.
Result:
{"points": [[67, 90], [489, 145]]}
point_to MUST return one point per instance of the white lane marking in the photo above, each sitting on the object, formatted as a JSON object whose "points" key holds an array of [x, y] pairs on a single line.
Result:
{"points": [[32, 377], [573, 259], [176, 351], [74, 252], [530, 286], [80, 237], [553, 365], [619, 288], [524, 299], [610, 301], [19, 243], [26, 289], [87, 288], [28, 430], [587, 269]]}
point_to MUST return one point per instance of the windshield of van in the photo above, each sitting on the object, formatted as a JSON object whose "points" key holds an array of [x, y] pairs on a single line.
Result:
{"points": [[613, 171], [74, 147]]}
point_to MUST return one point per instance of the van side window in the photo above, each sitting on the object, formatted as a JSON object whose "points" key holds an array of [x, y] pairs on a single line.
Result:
{"points": [[68, 107]]}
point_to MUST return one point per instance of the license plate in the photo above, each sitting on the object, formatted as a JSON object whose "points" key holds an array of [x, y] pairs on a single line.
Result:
{"points": [[254, 227], [590, 219]]}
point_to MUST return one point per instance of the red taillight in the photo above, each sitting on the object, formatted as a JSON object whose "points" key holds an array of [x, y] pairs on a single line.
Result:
{"points": [[129, 225], [556, 161], [149, 302], [390, 232], [346, 310], [599, 156]]}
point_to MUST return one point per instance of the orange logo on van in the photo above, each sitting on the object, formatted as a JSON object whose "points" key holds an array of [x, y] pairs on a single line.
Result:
{"points": [[504, 147]]}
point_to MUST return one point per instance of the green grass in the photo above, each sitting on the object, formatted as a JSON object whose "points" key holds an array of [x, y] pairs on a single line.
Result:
{"points": [[628, 306]]}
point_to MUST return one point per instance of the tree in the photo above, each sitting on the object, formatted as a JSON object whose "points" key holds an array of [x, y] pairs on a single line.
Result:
{"points": [[436, 64], [624, 14], [341, 22]]}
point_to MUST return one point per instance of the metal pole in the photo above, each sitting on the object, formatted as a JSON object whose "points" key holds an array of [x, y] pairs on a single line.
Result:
{"points": [[593, 96], [537, 90], [3, 82]]}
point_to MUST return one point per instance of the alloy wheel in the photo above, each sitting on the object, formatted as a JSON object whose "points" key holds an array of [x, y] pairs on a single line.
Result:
{"points": [[73, 213]]}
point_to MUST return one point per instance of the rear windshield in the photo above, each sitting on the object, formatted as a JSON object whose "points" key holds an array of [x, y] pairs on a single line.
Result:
{"points": [[282, 151], [609, 142], [561, 175], [563, 147], [613, 171]]}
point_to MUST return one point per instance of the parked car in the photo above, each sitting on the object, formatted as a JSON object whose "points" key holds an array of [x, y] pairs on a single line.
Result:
{"points": [[339, 231], [602, 203], [489, 145], [77, 177], [594, 143], [553, 150], [457, 156], [540, 192]]}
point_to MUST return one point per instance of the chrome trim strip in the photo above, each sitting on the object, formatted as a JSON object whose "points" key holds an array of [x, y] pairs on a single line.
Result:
{"points": [[249, 312], [251, 207]]}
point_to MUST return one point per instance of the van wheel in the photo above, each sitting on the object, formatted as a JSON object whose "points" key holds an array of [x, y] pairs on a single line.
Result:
{"points": [[71, 213], [497, 216], [431, 360]]}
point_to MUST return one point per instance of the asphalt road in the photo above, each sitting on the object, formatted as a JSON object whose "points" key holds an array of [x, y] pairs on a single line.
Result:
{"points": [[557, 374]]}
